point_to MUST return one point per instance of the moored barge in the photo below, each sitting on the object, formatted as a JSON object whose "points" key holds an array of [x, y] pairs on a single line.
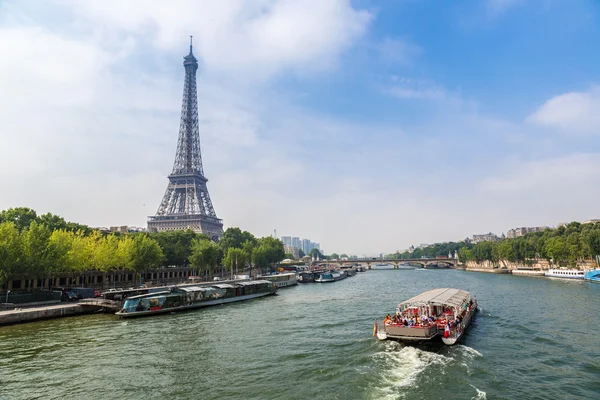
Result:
{"points": [[281, 280], [189, 297]]}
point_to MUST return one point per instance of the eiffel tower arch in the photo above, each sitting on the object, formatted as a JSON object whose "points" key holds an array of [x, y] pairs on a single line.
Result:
{"points": [[186, 203]]}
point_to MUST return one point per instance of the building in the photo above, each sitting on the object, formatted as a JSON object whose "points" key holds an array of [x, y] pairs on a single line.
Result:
{"points": [[293, 244], [517, 232], [296, 243], [286, 240], [486, 237], [186, 203], [591, 221]]}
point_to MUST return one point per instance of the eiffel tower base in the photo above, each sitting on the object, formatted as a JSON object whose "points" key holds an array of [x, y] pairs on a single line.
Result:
{"points": [[213, 227]]}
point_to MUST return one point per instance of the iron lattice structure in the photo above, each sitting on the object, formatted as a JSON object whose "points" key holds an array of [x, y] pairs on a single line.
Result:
{"points": [[186, 203]]}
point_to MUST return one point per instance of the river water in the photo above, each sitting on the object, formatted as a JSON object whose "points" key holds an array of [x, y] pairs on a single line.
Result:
{"points": [[534, 338]]}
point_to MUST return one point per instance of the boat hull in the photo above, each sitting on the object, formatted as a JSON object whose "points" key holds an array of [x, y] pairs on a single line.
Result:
{"points": [[593, 276], [281, 280], [202, 304], [459, 332]]}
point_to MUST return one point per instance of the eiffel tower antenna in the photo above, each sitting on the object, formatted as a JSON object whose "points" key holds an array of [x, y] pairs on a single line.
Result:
{"points": [[186, 203]]}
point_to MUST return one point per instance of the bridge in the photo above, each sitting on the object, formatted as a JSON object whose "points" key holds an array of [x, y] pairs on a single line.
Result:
{"points": [[449, 262]]}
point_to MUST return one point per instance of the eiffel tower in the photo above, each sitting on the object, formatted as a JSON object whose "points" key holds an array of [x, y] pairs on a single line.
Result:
{"points": [[186, 203]]}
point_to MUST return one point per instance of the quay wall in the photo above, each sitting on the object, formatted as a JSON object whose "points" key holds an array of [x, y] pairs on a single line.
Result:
{"points": [[527, 272], [17, 316], [534, 265]]}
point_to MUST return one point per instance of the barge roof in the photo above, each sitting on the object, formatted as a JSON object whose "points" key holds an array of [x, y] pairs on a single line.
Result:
{"points": [[443, 296]]}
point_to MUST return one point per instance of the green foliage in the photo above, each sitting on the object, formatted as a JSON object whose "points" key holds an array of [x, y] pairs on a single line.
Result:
{"points": [[38, 251], [334, 256], [235, 260], [438, 249], [235, 237], [177, 245], [205, 255], [268, 252], [22, 217], [11, 252], [144, 253], [564, 245], [316, 253]]}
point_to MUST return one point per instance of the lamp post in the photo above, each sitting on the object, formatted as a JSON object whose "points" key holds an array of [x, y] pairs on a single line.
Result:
{"points": [[7, 292]]}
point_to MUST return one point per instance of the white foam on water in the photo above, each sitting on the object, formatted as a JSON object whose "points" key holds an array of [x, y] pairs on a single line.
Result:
{"points": [[469, 351], [400, 367], [481, 395]]}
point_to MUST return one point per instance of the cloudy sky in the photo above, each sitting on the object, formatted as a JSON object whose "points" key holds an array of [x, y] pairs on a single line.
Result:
{"points": [[364, 125]]}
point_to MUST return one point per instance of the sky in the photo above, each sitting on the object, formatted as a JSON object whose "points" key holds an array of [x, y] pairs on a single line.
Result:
{"points": [[367, 126]]}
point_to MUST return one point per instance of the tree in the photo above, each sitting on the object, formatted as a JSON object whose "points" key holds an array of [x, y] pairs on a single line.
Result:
{"points": [[205, 256], [11, 250], [334, 256], [593, 241], [316, 253], [52, 221], [235, 259], [37, 257], [145, 253], [343, 255], [268, 252], [176, 245], [301, 253], [21, 216]]}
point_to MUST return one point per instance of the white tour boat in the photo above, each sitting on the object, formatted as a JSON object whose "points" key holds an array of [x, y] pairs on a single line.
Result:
{"points": [[446, 312], [565, 273]]}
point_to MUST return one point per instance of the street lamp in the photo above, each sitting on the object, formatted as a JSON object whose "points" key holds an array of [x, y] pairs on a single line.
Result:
{"points": [[7, 292]]}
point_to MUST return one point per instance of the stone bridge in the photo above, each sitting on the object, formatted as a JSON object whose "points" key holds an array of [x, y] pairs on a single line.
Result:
{"points": [[449, 262]]}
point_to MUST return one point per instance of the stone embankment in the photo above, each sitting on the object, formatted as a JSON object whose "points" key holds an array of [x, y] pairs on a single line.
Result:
{"points": [[535, 268], [19, 315]]}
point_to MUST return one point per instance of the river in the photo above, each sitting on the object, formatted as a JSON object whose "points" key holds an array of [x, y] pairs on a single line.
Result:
{"points": [[534, 338]]}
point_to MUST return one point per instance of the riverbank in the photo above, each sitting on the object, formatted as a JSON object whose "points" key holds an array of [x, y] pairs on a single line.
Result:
{"points": [[21, 315]]}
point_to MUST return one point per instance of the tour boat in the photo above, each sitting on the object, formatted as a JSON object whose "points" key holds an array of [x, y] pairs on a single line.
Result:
{"points": [[281, 280], [593, 276], [330, 276], [307, 276], [565, 273], [188, 297], [446, 312]]}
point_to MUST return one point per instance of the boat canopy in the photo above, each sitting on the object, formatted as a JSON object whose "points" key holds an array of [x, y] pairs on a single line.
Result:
{"points": [[223, 286], [192, 288], [439, 297]]}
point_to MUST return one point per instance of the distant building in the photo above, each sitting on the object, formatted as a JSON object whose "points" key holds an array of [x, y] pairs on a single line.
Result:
{"points": [[517, 232], [591, 221], [486, 237], [123, 229], [294, 242], [286, 240]]}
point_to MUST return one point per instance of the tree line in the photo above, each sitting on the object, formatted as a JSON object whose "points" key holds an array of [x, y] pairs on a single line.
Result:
{"points": [[34, 247], [565, 245]]}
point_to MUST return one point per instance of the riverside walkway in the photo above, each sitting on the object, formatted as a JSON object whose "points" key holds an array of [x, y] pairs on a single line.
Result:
{"points": [[20, 315]]}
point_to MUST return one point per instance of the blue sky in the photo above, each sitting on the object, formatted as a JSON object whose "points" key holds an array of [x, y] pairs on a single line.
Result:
{"points": [[366, 126]]}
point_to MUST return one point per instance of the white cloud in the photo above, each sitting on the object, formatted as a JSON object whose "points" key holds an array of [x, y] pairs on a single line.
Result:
{"points": [[408, 88], [497, 7], [544, 191], [260, 37], [571, 113]]}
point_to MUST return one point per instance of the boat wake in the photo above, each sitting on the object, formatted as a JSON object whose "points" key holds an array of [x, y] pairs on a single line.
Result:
{"points": [[402, 366], [468, 351], [481, 395]]}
